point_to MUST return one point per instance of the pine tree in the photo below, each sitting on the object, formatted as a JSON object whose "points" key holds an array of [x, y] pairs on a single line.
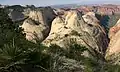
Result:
{"points": [[16, 53]]}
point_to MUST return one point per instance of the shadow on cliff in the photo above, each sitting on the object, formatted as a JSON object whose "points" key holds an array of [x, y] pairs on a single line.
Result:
{"points": [[104, 21], [108, 21]]}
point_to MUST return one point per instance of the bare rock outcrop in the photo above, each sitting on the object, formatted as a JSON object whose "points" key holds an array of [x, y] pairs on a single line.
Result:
{"points": [[73, 27], [37, 26], [113, 50], [16, 15]]}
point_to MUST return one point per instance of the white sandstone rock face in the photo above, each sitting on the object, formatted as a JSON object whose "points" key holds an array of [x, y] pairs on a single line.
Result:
{"points": [[37, 26], [72, 27], [37, 16], [113, 50], [90, 18]]}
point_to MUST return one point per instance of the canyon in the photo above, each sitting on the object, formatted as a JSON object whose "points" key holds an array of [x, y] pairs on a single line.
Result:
{"points": [[92, 27], [63, 27]]}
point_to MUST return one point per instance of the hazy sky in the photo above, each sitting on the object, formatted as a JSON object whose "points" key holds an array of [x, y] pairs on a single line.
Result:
{"points": [[55, 2]]}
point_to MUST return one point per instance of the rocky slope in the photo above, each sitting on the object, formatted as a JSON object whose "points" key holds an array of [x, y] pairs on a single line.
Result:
{"points": [[73, 27], [113, 50]]}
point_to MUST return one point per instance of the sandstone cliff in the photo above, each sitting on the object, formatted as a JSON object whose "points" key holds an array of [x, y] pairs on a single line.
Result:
{"points": [[113, 50], [37, 26], [73, 27]]}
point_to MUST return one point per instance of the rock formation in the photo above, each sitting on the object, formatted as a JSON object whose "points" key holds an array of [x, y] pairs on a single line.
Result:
{"points": [[73, 27], [16, 15], [69, 26], [37, 26], [113, 50]]}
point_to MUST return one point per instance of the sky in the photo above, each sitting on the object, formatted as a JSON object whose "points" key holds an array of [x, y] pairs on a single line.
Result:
{"points": [[56, 2]]}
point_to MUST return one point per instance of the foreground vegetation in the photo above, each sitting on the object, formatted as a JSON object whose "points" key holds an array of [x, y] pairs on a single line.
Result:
{"points": [[19, 55]]}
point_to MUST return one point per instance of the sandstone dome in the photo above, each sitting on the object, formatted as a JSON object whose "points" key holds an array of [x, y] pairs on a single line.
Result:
{"points": [[37, 25], [73, 27]]}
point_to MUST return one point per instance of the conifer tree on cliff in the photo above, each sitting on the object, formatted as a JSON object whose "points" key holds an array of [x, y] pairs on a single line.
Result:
{"points": [[16, 53]]}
